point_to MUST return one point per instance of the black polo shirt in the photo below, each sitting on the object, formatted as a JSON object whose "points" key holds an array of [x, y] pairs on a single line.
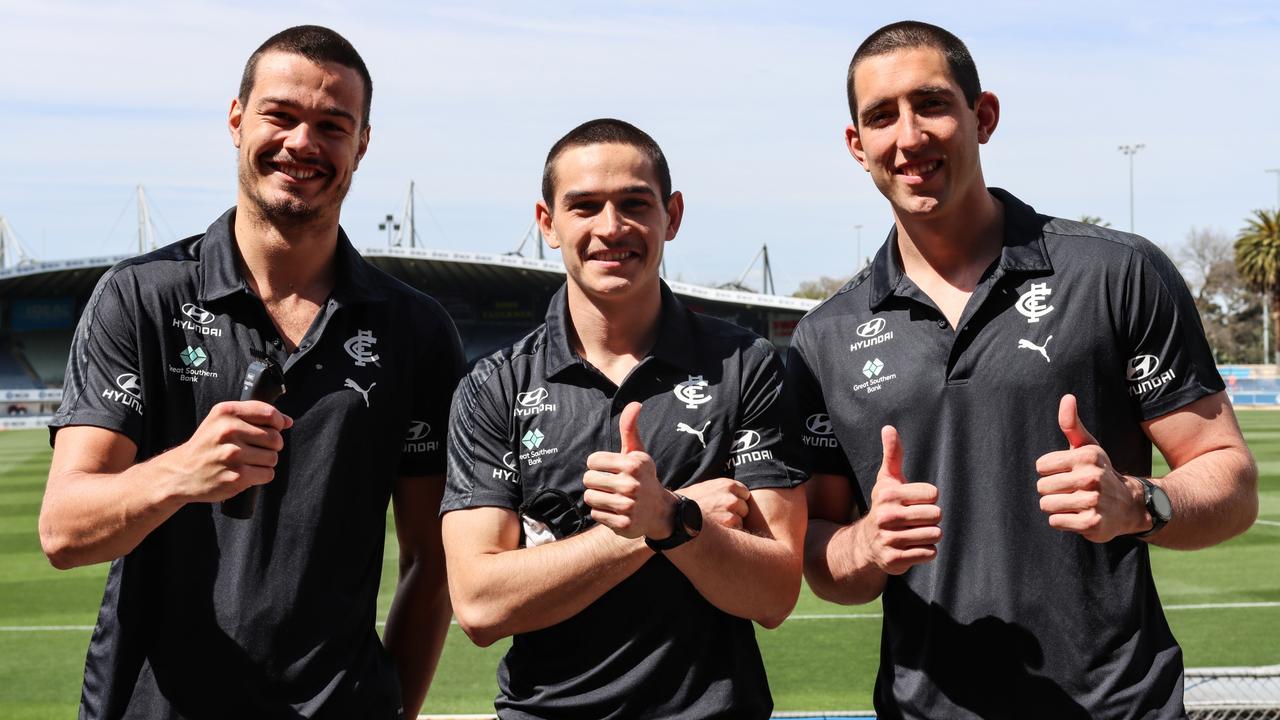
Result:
{"points": [[273, 616], [1013, 618], [524, 422]]}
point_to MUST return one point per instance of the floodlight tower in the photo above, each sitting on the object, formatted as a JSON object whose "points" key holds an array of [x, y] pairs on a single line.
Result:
{"points": [[1131, 150]]}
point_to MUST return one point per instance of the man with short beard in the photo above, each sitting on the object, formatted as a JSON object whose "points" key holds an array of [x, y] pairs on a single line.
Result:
{"points": [[212, 615]]}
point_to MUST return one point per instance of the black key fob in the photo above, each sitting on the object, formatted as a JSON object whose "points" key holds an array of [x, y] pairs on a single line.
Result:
{"points": [[263, 381]]}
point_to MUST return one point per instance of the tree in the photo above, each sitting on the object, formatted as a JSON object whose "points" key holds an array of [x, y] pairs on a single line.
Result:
{"points": [[1230, 312], [1094, 220], [820, 289], [1258, 255]]}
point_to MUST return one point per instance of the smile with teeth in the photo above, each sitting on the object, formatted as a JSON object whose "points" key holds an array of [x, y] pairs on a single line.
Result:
{"points": [[297, 172], [611, 255], [919, 169]]}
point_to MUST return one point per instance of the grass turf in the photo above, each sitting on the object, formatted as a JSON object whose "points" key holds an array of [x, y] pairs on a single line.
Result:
{"points": [[45, 614]]}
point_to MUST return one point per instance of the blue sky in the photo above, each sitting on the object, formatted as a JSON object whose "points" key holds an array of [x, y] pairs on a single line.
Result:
{"points": [[746, 98]]}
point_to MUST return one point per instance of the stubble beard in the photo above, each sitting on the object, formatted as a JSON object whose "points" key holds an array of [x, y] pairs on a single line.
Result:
{"points": [[291, 211]]}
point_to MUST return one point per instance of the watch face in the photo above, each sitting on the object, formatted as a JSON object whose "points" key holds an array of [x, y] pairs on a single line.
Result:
{"points": [[1160, 504], [691, 517]]}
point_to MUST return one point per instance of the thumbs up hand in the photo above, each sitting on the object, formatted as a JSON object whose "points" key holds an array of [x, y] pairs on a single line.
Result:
{"points": [[623, 490], [901, 528], [1081, 492]]}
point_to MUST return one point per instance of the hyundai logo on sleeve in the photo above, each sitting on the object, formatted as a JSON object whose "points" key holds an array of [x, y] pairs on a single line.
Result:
{"points": [[820, 431]]}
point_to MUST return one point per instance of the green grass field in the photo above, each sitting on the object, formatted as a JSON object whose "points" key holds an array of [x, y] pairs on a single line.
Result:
{"points": [[813, 662]]}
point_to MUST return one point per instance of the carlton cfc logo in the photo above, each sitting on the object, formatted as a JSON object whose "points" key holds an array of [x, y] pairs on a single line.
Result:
{"points": [[692, 392], [871, 328], [1142, 367], [1031, 303]]}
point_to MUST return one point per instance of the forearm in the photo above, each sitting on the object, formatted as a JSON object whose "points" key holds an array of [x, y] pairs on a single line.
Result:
{"points": [[718, 560], [514, 591], [89, 518], [1214, 497], [836, 570], [416, 628]]}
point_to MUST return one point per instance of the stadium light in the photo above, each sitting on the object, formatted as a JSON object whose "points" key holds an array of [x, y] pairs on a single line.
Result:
{"points": [[391, 227], [1131, 150]]}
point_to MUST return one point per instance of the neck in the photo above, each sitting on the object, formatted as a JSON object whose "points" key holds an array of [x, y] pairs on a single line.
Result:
{"points": [[281, 262], [958, 246], [609, 331]]}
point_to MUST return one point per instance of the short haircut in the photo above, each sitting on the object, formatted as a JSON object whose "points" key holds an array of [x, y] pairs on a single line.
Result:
{"points": [[910, 34], [317, 44], [605, 131]]}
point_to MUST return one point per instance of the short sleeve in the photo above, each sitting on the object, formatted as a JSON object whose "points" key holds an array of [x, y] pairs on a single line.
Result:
{"points": [[1168, 361], [482, 465], [807, 419], [762, 454], [104, 386], [440, 367]]}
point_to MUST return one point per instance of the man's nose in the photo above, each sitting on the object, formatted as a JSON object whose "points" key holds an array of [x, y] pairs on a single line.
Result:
{"points": [[910, 134], [609, 223], [301, 139]]}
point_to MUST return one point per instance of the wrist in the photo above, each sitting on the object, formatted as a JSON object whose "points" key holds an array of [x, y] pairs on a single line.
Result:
{"points": [[1140, 520], [667, 518]]}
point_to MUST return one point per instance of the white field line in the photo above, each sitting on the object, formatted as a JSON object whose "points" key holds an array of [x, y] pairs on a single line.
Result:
{"points": [[1272, 523], [798, 616]]}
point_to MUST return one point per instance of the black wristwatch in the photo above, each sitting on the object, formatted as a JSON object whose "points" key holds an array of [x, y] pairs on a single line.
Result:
{"points": [[686, 523], [1158, 505]]}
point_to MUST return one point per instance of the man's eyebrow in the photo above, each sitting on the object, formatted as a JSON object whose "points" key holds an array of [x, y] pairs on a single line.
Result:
{"points": [[922, 91], [331, 110], [574, 195]]}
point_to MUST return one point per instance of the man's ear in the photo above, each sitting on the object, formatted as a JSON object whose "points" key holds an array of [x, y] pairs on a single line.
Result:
{"points": [[675, 213], [234, 116], [853, 141], [987, 108], [364, 146], [542, 215]]}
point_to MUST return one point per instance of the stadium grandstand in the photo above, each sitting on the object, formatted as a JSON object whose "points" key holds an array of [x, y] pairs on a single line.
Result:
{"points": [[494, 299]]}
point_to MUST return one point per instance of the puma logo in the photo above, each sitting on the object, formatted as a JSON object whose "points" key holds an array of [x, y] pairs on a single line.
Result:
{"points": [[1028, 345], [364, 392], [682, 427]]}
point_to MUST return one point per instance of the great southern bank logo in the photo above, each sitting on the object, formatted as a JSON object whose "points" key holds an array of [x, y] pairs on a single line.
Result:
{"points": [[532, 439], [873, 368]]}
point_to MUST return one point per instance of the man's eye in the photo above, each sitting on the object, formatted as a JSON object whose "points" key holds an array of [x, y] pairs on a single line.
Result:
{"points": [[635, 204]]}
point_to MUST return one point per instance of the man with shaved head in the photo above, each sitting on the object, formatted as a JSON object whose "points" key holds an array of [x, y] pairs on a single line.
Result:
{"points": [[246, 539]]}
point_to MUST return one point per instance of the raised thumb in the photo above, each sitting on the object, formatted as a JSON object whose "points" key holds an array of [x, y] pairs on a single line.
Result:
{"points": [[629, 428], [891, 461], [1069, 420]]}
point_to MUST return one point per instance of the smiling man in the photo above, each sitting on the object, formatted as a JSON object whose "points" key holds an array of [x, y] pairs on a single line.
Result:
{"points": [[210, 614], [587, 510], [980, 404]]}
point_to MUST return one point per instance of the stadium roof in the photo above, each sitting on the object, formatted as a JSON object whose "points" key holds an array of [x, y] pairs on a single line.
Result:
{"points": [[443, 271]]}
